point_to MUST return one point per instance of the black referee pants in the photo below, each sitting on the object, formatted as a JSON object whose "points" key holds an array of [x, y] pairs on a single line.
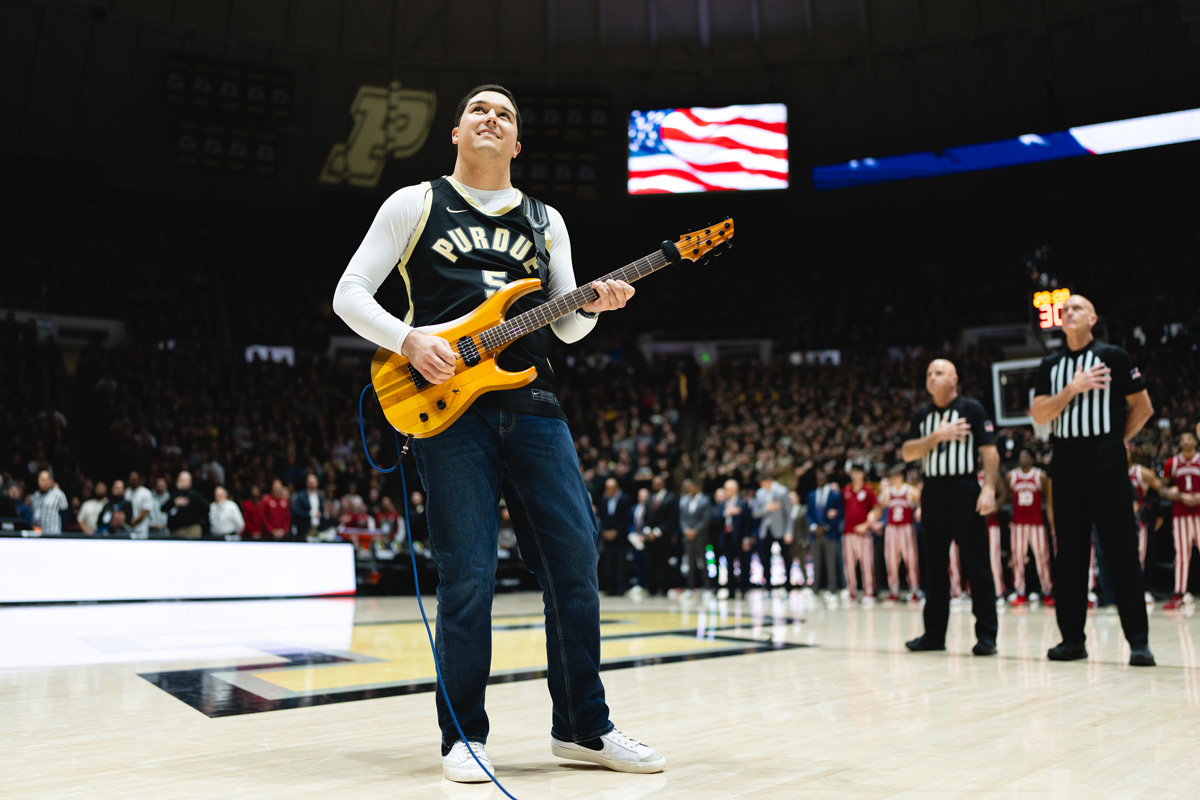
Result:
{"points": [[948, 514], [1091, 487]]}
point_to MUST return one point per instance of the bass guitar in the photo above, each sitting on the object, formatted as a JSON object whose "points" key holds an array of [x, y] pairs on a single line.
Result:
{"points": [[421, 409]]}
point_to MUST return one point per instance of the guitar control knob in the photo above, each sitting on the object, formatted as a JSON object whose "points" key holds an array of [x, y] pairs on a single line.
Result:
{"points": [[424, 417], [441, 405]]}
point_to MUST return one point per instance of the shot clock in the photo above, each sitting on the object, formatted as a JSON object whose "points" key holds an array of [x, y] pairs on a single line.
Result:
{"points": [[1047, 309]]}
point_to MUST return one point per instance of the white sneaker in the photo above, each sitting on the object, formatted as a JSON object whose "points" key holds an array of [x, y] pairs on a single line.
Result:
{"points": [[620, 752], [459, 765]]}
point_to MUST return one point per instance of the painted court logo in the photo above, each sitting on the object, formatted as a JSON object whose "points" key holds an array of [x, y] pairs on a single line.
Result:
{"points": [[389, 122]]}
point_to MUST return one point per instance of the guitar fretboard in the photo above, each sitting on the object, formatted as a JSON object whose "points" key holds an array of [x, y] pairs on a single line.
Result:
{"points": [[512, 329]]}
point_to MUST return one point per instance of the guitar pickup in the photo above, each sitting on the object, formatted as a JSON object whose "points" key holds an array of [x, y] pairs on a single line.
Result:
{"points": [[468, 351], [417, 378]]}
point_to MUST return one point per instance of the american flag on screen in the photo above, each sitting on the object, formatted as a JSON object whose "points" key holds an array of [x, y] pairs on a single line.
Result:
{"points": [[708, 149]]}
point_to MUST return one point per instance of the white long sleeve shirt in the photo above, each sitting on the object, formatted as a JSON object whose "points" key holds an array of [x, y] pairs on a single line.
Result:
{"points": [[391, 235], [225, 518]]}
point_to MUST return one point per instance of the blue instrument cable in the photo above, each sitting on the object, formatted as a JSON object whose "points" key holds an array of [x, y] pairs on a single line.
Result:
{"points": [[412, 552]]}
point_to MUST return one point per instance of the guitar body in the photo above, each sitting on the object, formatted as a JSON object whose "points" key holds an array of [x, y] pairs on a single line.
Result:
{"points": [[422, 409], [429, 410]]}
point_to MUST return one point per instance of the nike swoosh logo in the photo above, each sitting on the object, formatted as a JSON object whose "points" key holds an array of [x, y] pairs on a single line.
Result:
{"points": [[456, 211]]}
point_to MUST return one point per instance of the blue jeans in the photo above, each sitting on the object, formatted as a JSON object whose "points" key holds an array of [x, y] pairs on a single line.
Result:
{"points": [[532, 460]]}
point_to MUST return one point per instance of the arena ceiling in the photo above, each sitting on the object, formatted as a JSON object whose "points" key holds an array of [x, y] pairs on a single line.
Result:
{"points": [[860, 77]]}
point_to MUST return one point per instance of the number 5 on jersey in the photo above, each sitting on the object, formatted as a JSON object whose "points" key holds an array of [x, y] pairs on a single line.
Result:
{"points": [[493, 280]]}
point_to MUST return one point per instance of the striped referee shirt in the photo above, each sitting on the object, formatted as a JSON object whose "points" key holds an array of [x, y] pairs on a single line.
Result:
{"points": [[48, 508], [1098, 414], [953, 459]]}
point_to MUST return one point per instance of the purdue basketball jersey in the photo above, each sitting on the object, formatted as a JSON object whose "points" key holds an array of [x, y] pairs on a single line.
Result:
{"points": [[458, 256]]}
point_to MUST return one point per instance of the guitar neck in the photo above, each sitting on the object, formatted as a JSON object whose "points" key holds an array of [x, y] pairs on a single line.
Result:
{"points": [[511, 329]]}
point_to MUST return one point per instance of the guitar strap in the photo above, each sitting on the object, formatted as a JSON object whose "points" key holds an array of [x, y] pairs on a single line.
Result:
{"points": [[539, 221]]}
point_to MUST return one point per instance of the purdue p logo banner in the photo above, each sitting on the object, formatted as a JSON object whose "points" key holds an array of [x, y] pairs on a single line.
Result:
{"points": [[388, 123]]}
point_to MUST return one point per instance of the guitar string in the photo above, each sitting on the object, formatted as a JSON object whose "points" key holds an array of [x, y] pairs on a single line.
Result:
{"points": [[541, 315], [539, 311]]}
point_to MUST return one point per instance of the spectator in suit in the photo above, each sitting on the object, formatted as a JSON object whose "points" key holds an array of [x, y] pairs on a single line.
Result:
{"points": [[16, 493], [224, 517], [825, 532], [8, 506], [276, 512], [662, 538], [736, 537], [694, 517], [796, 540], [186, 509], [116, 502], [716, 527], [614, 513], [117, 524], [639, 529], [773, 510], [308, 508]]}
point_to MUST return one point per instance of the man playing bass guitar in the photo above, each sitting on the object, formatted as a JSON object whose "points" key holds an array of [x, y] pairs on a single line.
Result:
{"points": [[455, 241]]}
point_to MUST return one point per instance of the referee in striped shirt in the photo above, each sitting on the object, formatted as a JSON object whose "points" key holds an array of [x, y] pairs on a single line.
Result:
{"points": [[48, 503], [1095, 400], [945, 436]]}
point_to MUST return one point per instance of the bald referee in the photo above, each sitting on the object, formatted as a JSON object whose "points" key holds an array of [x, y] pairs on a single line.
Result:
{"points": [[1095, 400], [945, 435]]}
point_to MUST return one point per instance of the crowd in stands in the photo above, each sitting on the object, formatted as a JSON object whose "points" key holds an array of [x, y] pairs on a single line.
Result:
{"points": [[260, 428], [254, 435]]}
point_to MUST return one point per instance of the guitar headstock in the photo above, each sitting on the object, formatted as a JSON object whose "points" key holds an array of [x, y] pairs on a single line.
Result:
{"points": [[696, 245]]}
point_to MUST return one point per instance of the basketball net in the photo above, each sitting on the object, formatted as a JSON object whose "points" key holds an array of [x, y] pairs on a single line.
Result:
{"points": [[1041, 432]]}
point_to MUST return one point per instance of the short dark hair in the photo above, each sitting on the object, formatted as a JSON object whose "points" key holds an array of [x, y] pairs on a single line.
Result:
{"points": [[897, 469], [488, 87]]}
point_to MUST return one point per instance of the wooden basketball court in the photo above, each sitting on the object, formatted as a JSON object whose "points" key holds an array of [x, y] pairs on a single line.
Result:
{"points": [[766, 697]]}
